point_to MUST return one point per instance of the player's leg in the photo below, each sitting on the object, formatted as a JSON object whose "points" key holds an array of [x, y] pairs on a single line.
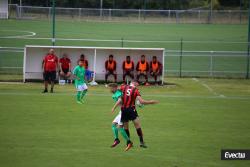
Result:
{"points": [[46, 83], [124, 134], [78, 93], [52, 79], [106, 76], [84, 90], [146, 76], [124, 76], [137, 125], [115, 76], [131, 74], [155, 76], [68, 76], [121, 129], [116, 122], [138, 76], [114, 126]]}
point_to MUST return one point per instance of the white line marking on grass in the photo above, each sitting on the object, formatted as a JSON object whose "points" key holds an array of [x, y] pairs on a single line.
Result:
{"points": [[28, 34], [208, 88], [106, 95]]}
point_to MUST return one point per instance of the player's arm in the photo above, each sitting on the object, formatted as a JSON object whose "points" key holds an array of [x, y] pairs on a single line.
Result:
{"points": [[60, 66], [145, 102], [43, 64], [119, 101], [70, 67], [57, 64], [74, 74]]}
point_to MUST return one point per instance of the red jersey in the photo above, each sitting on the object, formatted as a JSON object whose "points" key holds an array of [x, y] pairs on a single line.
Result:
{"points": [[50, 62], [65, 63], [129, 96]]}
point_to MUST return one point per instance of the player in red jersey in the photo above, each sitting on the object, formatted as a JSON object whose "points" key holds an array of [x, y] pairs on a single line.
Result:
{"points": [[50, 66], [129, 113], [65, 67]]}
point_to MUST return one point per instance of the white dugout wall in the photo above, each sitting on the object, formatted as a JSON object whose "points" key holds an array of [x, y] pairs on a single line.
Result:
{"points": [[96, 56]]}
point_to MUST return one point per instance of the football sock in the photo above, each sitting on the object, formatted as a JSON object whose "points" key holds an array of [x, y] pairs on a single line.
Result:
{"points": [[124, 134], [115, 131], [127, 131], [78, 96], [83, 93], [139, 132]]}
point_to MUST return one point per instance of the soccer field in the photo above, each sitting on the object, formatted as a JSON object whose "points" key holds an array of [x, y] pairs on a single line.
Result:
{"points": [[194, 120], [196, 37], [128, 31]]}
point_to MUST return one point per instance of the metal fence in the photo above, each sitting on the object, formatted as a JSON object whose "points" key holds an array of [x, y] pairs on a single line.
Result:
{"points": [[222, 64], [131, 15]]}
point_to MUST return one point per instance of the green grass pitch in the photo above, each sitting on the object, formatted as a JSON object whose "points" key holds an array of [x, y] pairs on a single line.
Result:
{"points": [[220, 34], [188, 128]]}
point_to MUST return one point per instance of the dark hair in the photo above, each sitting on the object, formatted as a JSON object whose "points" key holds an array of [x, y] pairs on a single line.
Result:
{"points": [[82, 55], [81, 59], [154, 57], [111, 56], [127, 57], [142, 55]]}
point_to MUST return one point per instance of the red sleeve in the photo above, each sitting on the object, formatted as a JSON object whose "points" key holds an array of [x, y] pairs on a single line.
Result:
{"points": [[122, 88], [137, 93], [45, 58]]}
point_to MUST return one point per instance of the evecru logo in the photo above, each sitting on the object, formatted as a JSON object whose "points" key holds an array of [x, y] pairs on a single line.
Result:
{"points": [[235, 154]]}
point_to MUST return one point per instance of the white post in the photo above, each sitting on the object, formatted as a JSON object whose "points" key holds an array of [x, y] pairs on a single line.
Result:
{"points": [[169, 14], [101, 2], [24, 64], [79, 14], [163, 67], [139, 15], [20, 9], [93, 82], [199, 15], [109, 14]]}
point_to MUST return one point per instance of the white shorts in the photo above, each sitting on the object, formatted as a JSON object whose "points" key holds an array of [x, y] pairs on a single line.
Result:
{"points": [[118, 119], [81, 87]]}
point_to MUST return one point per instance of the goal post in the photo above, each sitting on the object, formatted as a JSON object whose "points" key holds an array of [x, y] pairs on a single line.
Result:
{"points": [[4, 9], [96, 56]]}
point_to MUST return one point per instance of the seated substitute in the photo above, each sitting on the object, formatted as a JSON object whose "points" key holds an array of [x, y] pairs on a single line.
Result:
{"points": [[128, 68], [85, 61], [88, 73], [155, 68], [142, 69], [110, 66], [65, 68]]}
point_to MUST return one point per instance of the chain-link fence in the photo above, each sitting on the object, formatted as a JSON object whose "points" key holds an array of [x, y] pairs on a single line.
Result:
{"points": [[131, 15], [223, 64]]}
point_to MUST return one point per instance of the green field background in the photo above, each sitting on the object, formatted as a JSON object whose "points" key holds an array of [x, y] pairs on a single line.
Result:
{"points": [[196, 37]]}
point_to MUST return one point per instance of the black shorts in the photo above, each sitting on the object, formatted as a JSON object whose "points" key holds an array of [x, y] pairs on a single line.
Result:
{"points": [[49, 76], [128, 114]]}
